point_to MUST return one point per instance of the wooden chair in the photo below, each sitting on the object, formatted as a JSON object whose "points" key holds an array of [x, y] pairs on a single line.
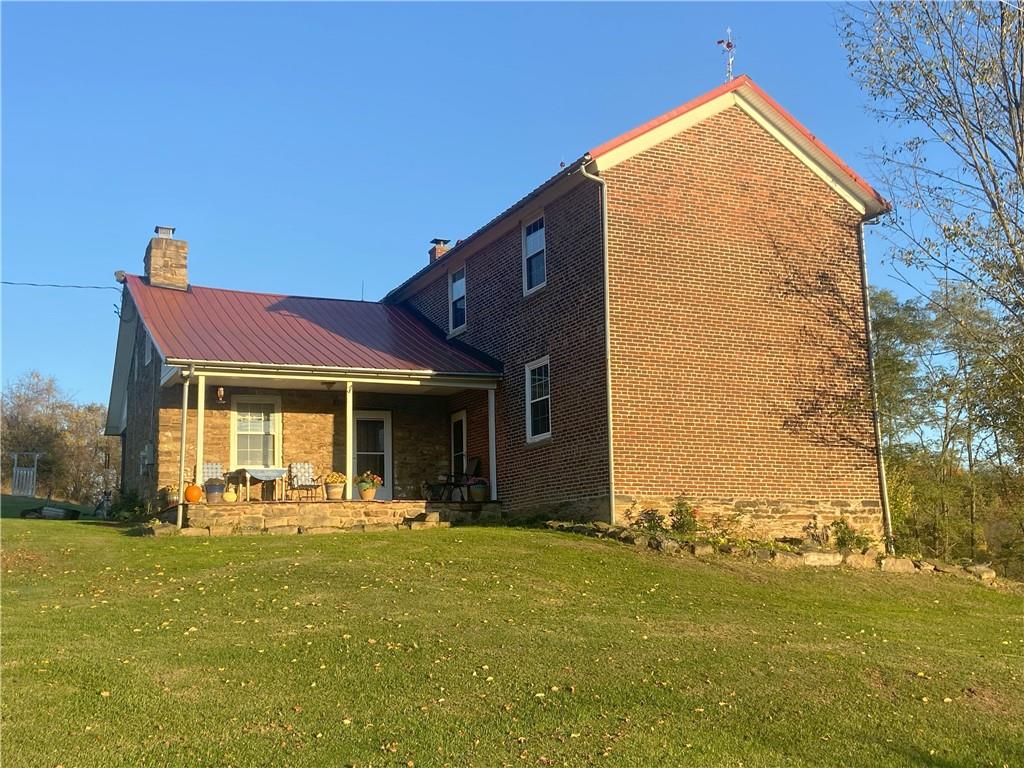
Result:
{"points": [[460, 481], [302, 481]]}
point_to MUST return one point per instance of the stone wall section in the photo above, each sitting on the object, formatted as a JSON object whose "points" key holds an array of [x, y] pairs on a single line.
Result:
{"points": [[313, 430]]}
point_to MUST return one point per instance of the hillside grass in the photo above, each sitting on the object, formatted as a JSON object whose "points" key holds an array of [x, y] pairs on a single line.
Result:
{"points": [[488, 647]]}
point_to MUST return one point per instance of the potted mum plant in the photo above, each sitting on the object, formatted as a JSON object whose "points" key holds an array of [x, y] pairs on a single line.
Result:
{"points": [[477, 489], [334, 485], [368, 483]]}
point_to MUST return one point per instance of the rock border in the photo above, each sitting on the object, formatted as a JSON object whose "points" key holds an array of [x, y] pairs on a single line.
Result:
{"points": [[866, 559]]}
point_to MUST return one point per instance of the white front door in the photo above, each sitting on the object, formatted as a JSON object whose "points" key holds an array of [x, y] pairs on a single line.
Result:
{"points": [[373, 448]]}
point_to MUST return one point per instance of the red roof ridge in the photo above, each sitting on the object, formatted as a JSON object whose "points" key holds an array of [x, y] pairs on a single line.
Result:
{"points": [[682, 109], [142, 281], [741, 81]]}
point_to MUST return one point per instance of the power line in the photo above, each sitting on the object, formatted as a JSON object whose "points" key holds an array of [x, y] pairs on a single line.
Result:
{"points": [[61, 285]]}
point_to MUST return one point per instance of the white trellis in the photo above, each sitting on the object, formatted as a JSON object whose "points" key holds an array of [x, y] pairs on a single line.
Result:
{"points": [[23, 480]]}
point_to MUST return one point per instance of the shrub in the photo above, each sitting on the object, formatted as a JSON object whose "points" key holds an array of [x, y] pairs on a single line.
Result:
{"points": [[650, 520], [720, 527], [130, 507], [817, 535], [845, 537], [682, 518]]}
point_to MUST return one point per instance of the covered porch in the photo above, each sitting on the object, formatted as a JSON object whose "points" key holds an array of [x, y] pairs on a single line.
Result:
{"points": [[412, 429]]}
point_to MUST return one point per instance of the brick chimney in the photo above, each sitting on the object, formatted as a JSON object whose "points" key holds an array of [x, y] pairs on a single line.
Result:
{"points": [[167, 260], [440, 249]]}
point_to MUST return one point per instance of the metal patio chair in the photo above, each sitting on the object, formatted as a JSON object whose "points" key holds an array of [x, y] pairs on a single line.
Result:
{"points": [[460, 482], [302, 481]]}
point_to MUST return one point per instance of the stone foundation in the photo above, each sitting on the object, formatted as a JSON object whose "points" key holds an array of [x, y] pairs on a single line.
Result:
{"points": [[766, 519], [327, 516]]}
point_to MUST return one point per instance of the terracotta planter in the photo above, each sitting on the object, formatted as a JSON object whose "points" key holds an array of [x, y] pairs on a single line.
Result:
{"points": [[214, 494], [478, 493], [335, 491], [366, 493]]}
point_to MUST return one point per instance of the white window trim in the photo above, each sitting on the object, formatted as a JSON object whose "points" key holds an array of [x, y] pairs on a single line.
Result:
{"points": [[452, 330], [527, 223], [530, 437], [233, 434], [457, 416], [149, 349], [387, 491]]}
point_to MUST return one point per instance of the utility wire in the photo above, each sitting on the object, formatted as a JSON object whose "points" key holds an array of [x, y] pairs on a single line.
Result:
{"points": [[61, 285]]}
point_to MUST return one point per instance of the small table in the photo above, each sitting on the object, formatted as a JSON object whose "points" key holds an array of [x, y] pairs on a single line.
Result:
{"points": [[266, 475]]}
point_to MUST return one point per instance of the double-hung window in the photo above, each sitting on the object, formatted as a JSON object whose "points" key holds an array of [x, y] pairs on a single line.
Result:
{"points": [[457, 300], [255, 431], [534, 268], [538, 400]]}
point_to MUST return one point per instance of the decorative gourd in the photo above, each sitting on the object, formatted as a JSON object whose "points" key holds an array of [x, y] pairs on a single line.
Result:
{"points": [[193, 493], [230, 497]]}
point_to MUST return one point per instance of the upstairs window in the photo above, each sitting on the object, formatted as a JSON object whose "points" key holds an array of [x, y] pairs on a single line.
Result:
{"points": [[538, 400], [457, 300], [534, 270]]}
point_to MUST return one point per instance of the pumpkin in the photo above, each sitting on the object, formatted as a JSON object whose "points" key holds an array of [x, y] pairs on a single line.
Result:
{"points": [[193, 493], [230, 496]]}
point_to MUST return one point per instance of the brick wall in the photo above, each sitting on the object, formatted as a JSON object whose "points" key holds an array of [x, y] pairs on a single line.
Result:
{"points": [[567, 474], [738, 339], [313, 427]]}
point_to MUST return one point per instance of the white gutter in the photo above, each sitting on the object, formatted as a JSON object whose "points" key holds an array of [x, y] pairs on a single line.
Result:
{"points": [[883, 484], [321, 370], [607, 335]]}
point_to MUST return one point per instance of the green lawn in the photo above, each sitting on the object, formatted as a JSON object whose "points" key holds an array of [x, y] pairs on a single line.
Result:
{"points": [[488, 647]]}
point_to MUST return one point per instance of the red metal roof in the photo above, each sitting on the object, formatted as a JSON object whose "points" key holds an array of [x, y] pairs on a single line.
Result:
{"points": [[217, 325]]}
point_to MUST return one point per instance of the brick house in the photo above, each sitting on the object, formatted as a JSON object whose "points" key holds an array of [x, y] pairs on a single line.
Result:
{"points": [[680, 311]]}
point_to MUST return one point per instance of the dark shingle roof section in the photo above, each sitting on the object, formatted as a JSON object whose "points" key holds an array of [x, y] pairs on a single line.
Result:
{"points": [[210, 324]]}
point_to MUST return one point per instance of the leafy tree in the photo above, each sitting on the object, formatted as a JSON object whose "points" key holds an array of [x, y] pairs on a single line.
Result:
{"points": [[954, 490], [78, 460], [949, 78]]}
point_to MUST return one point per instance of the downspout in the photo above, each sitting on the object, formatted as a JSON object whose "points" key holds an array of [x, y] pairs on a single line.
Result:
{"points": [[187, 377], [607, 334], [876, 420]]}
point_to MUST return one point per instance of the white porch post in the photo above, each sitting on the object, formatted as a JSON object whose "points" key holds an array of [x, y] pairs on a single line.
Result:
{"points": [[492, 464], [200, 421], [350, 459], [181, 455]]}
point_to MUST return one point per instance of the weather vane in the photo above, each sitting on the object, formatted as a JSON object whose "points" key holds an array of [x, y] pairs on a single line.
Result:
{"points": [[729, 49]]}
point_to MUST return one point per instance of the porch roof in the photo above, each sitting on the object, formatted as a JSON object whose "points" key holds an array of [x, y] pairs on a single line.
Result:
{"points": [[237, 327]]}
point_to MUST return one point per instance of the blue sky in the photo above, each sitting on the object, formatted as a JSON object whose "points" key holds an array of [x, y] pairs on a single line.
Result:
{"points": [[317, 148]]}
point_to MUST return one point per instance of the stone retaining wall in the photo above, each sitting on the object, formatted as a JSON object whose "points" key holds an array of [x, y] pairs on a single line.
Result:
{"points": [[767, 519], [299, 516]]}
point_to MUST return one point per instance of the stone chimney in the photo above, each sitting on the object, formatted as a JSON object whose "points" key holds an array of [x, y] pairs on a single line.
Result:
{"points": [[167, 260], [440, 249]]}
